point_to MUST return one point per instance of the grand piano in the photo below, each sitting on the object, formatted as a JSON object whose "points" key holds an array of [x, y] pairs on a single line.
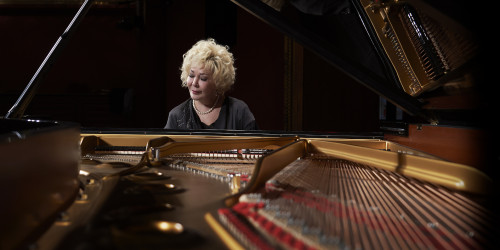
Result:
{"points": [[426, 179]]}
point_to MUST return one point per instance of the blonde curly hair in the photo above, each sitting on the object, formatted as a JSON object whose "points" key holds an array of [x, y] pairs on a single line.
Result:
{"points": [[214, 57]]}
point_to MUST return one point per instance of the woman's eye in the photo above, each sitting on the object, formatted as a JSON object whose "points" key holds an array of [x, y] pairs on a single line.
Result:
{"points": [[191, 76], [203, 79]]}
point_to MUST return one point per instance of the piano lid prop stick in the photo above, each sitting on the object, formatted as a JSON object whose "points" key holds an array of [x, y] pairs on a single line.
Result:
{"points": [[17, 111]]}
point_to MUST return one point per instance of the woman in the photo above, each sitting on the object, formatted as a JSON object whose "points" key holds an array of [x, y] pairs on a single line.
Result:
{"points": [[208, 73]]}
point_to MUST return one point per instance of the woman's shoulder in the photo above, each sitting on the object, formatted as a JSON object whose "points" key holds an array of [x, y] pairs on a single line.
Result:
{"points": [[179, 116], [181, 107], [236, 103], [245, 120]]}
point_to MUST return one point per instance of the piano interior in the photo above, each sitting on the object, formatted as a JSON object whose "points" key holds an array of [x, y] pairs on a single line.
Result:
{"points": [[149, 188], [268, 192]]}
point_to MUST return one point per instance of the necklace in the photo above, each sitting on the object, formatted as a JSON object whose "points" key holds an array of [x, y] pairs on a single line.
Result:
{"points": [[208, 111]]}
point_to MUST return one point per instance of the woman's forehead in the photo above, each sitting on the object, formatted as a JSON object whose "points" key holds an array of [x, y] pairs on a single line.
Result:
{"points": [[201, 69]]}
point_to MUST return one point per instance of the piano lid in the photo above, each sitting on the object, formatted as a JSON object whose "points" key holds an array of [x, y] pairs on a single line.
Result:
{"points": [[406, 51]]}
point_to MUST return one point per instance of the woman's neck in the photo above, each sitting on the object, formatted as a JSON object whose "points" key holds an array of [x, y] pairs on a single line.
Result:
{"points": [[203, 108]]}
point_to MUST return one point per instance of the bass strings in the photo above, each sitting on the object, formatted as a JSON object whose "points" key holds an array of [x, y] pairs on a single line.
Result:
{"points": [[346, 204]]}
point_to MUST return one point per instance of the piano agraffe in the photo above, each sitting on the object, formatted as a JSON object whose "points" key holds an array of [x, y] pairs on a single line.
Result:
{"points": [[130, 189]]}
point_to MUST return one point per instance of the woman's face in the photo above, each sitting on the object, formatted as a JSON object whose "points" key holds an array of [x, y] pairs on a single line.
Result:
{"points": [[201, 85]]}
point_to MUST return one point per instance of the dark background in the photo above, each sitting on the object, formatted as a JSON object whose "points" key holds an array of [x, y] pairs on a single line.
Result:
{"points": [[120, 69]]}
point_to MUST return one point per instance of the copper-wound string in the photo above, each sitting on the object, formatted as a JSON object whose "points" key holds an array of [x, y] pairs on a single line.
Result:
{"points": [[457, 223], [447, 226], [409, 225], [425, 219], [372, 208], [479, 216], [222, 163], [377, 224], [384, 209], [359, 228]]}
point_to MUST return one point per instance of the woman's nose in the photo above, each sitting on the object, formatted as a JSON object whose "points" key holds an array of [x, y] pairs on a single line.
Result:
{"points": [[195, 82]]}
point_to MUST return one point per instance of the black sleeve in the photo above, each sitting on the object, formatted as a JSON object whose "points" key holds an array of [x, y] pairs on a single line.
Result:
{"points": [[245, 116], [249, 122], [171, 121], [252, 126], [179, 117]]}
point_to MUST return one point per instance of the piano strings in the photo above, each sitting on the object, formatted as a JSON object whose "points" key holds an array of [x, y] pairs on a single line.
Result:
{"points": [[321, 202], [221, 165]]}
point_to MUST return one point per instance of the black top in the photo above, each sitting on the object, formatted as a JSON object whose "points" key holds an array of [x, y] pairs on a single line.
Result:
{"points": [[234, 115]]}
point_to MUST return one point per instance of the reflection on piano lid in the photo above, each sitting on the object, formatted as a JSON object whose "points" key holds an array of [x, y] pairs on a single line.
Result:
{"points": [[425, 51], [408, 52]]}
